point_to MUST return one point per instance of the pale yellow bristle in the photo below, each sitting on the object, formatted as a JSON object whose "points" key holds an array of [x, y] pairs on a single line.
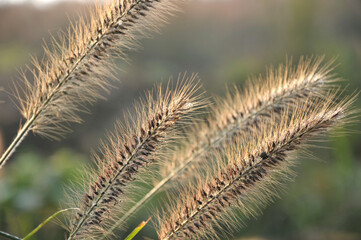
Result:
{"points": [[249, 172], [240, 113], [127, 154], [78, 67]]}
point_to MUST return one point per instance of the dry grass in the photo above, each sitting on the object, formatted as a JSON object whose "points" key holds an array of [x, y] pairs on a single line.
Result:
{"points": [[236, 159], [249, 172], [240, 113], [77, 68], [128, 152]]}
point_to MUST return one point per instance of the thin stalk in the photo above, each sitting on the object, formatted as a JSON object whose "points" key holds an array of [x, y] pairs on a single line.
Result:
{"points": [[140, 203], [9, 236], [16, 142], [32, 233]]}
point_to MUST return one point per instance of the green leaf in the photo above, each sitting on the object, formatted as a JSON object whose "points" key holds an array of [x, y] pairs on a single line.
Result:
{"points": [[32, 233], [137, 230]]}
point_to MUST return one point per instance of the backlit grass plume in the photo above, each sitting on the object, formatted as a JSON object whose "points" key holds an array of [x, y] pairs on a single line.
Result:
{"points": [[78, 67], [248, 173], [241, 112], [128, 151]]}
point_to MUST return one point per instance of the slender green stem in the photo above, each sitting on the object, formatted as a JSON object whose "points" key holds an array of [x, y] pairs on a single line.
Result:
{"points": [[9, 236]]}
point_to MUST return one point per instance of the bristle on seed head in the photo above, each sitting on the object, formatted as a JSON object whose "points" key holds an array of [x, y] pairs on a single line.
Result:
{"points": [[249, 172], [242, 111], [76, 70], [128, 152]]}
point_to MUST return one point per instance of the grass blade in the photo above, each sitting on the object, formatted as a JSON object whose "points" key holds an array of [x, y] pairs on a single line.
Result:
{"points": [[137, 230], [32, 233]]}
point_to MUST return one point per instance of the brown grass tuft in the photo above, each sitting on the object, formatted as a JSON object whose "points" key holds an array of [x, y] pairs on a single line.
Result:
{"points": [[249, 173], [239, 113], [242, 111], [129, 151], [78, 67]]}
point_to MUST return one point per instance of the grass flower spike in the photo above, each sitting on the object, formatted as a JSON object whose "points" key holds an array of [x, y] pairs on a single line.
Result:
{"points": [[77, 68], [248, 176], [127, 152], [241, 113], [198, 167]]}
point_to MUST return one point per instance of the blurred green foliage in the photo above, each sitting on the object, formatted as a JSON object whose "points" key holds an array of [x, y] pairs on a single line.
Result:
{"points": [[32, 189], [12, 56]]}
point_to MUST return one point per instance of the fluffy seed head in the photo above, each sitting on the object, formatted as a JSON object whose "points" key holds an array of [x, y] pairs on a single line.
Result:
{"points": [[249, 172], [241, 112], [77, 68], [127, 153]]}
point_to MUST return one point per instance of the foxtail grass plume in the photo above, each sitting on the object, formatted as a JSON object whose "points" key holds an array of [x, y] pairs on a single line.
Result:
{"points": [[241, 112], [129, 151], [78, 67], [248, 173]]}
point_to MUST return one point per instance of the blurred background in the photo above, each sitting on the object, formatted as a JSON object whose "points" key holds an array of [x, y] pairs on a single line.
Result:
{"points": [[225, 42]]}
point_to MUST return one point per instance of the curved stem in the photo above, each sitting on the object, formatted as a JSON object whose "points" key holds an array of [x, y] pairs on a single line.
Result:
{"points": [[32, 233]]}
